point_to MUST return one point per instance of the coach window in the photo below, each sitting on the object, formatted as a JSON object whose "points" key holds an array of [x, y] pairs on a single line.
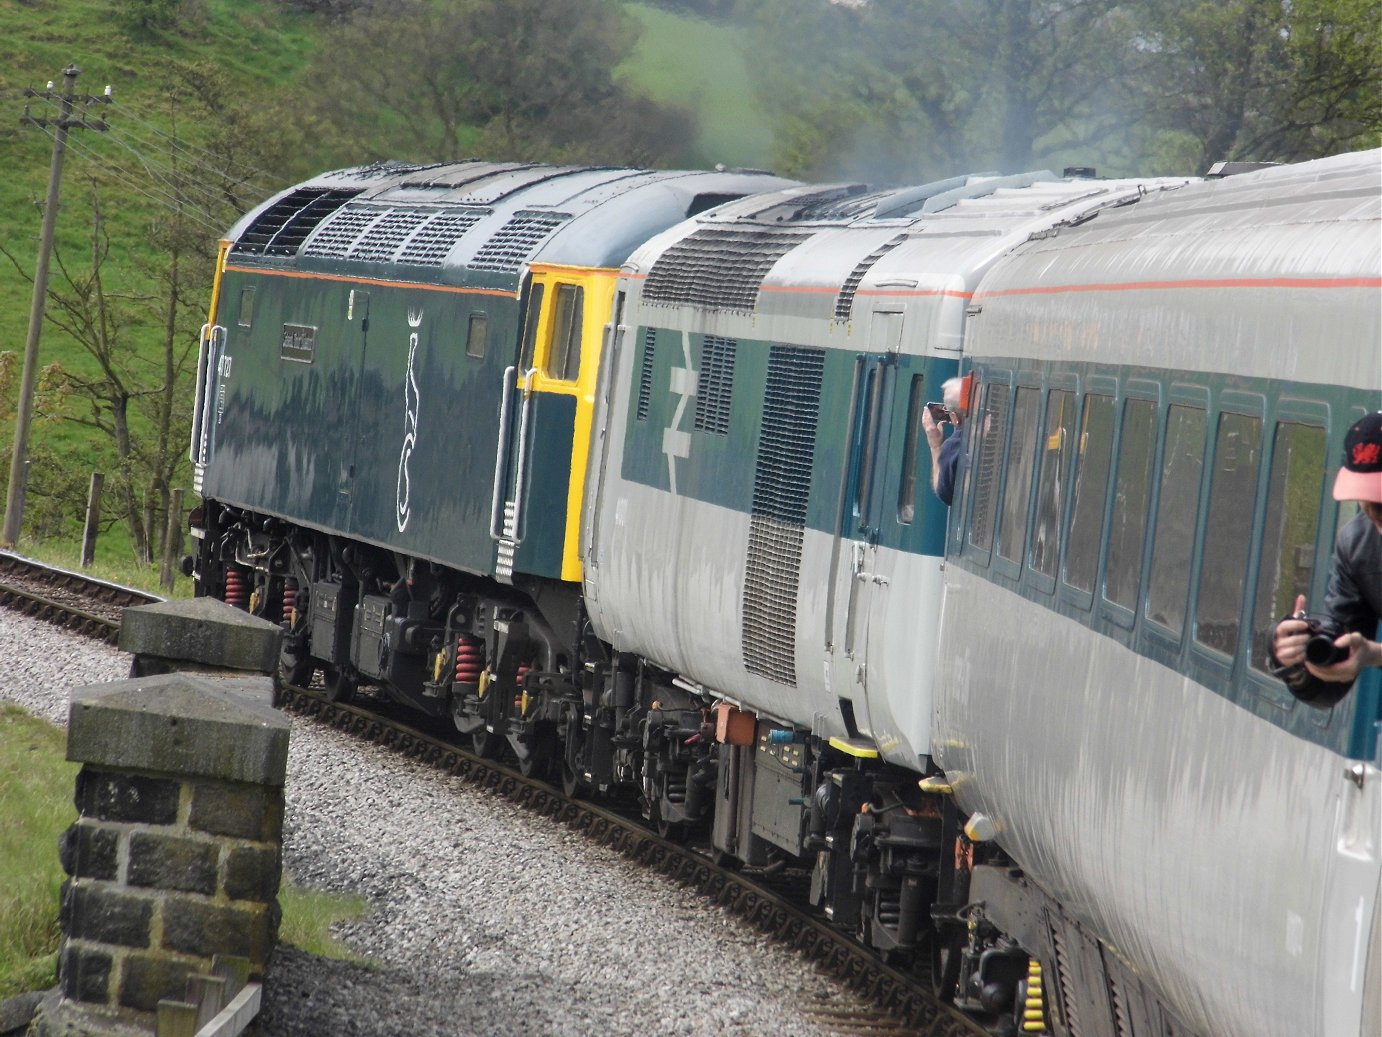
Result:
{"points": [[1057, 443], [988, 434], [1012, 532], [246, 318], [1177, 512], [1228, 532], [1132, 489], [907, 494], [530, 322], [1286, 566], [564, 350], [475, 336], [1095, 455]]}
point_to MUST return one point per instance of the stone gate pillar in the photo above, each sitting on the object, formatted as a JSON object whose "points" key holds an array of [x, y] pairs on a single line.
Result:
{"points": [[176, 854]]}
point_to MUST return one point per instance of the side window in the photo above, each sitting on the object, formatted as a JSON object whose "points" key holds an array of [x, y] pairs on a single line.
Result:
{"points": [[866, 443], [1288, 541], [475, 336], [1094, 459], [530, 322], [1177, 512], [988, 453], [907, 493], [1237, 450], [1012, 533], [246, 318], [1132, 488], [564, 354], [1056, 449]]}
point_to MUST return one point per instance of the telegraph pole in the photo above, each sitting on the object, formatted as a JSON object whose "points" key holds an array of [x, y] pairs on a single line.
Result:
{"points": [[14, 500]]}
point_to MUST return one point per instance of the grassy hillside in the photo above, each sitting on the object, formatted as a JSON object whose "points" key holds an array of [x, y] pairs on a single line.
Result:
{"points": [[701, 65], [266, 48]]}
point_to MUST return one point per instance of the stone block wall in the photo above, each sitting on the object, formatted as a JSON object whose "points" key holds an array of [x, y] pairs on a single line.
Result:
{"points": [[176, 854]]}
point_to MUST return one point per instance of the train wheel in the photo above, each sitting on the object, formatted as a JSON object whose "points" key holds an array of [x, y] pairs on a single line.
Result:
{"points": [[294, 664], [672, 831], [945, 964], [541, 751], [486, 743], [572, 784], [341, 683]]}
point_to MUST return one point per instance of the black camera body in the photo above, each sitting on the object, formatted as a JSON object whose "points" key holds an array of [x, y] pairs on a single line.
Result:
{"points": [[1321, 649]]}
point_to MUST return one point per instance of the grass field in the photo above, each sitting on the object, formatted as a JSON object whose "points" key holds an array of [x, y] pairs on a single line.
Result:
{"points": [[701, 65], [36, 783], [35, 807]]}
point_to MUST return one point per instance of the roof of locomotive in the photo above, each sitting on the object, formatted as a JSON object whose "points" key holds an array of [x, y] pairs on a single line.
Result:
{"points": [[809, 250], [476, 221], [1281, 265]]}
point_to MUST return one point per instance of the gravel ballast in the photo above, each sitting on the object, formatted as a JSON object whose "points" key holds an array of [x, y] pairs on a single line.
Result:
{"points": [[483, 919]]}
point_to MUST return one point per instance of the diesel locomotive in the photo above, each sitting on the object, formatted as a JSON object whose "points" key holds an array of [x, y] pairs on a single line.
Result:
{"points": [[624, 473]]}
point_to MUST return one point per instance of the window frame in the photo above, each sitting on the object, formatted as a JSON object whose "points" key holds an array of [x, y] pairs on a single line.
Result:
{"points": [[481, 318], [1104, 387], [1060, 382], [1113, 616], [566, 321], [1158, 641], [1023, 383], [1253, 407]]}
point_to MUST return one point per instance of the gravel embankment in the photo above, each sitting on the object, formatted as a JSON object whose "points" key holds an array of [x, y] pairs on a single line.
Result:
{"points": [[482, 921]]}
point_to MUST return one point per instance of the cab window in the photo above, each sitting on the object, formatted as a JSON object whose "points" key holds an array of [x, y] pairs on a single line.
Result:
{"points": [[564, 350]]}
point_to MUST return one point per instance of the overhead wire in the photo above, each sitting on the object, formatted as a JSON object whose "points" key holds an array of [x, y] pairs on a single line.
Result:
{"points": [[162, 198], [185, 186]]}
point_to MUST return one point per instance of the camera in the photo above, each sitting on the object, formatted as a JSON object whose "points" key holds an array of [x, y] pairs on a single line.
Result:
{"points": [[1321, 649], [938, 412]]}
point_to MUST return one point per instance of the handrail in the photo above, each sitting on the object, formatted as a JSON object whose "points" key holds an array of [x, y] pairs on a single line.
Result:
{"points": [[192, 452], [215, 343], [501, 452], [521, 476]]}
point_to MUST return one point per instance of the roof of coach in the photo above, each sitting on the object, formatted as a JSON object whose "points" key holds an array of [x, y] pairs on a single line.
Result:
{"points": [[1259, 264], [1314, 219], [801, 243], [475, 220]]}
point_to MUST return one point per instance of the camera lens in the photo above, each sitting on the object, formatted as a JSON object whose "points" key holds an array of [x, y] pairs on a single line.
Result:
{"points": [[1322, 651]]}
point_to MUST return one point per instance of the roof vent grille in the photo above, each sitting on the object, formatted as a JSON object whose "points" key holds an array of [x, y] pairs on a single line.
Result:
{"points": [[281, 229], [719, 268]]}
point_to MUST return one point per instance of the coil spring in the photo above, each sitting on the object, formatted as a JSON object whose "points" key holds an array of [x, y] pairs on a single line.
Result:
{"points": [[470, 660], [520, 701], [1034, 1008], [237, 588], [290, 602]]}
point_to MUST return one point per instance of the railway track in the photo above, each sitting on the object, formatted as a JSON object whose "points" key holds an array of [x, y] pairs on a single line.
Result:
{"points": [[894, 1003], [68, 599]]}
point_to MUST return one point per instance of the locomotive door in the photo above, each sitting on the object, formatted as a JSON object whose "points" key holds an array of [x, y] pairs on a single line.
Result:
{"points": [[544, 423], [857, 581]]}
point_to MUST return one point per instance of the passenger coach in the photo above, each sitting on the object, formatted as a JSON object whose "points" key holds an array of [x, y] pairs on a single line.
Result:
{"points": [[1162, 398]]}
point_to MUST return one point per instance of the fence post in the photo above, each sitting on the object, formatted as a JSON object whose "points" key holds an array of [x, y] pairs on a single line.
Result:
{"points": [[93, 518], [172, 541]]}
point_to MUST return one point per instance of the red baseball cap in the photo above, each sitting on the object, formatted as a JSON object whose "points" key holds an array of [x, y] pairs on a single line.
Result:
{"points": [[1361, 476]]}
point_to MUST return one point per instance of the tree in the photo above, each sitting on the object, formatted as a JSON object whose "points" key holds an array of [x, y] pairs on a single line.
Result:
{"points": [[1261, 79], [137, 321], [900, 90], [513, 79]]}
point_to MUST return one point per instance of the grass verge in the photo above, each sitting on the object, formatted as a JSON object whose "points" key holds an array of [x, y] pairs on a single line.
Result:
{"points": [[36, 784]]}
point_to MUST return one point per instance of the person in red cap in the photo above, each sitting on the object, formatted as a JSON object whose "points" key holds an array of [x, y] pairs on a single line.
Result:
{"points": [[1353, 602]]}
